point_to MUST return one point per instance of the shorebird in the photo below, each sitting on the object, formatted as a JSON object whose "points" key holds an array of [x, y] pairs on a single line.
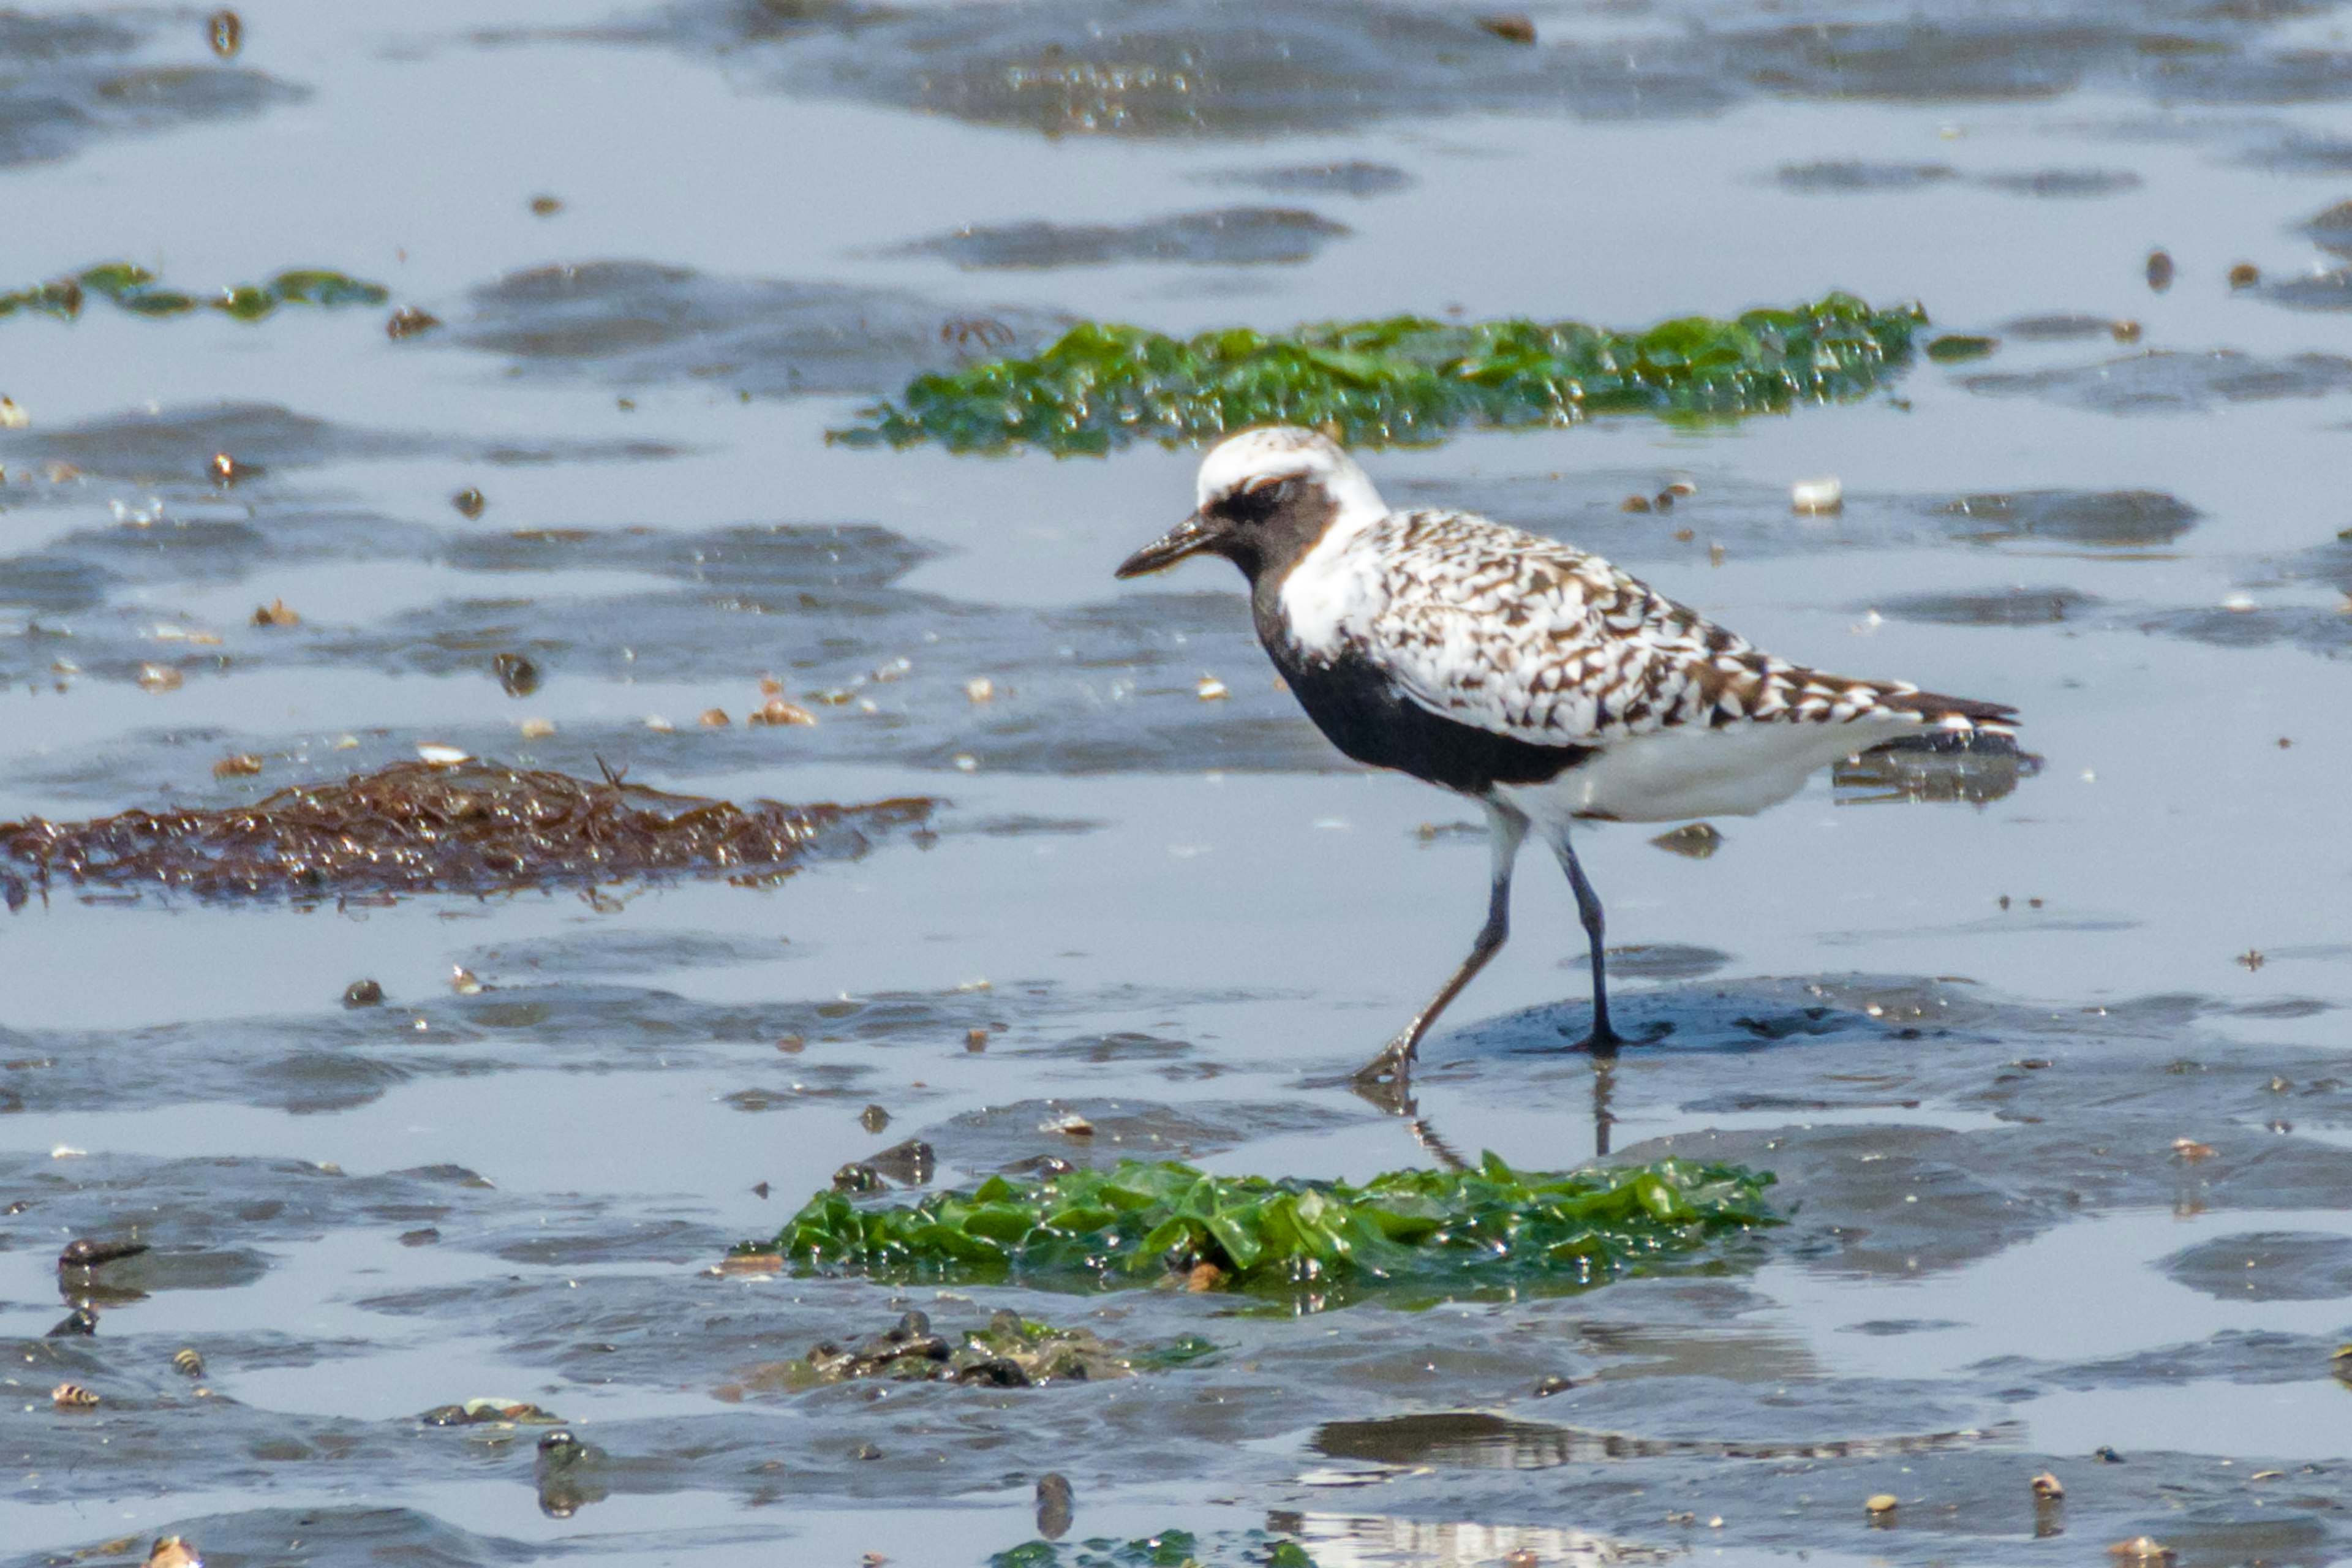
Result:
{"points": [[1535, 678]]}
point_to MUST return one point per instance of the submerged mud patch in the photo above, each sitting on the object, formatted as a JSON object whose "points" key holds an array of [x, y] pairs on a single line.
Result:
{"points": [[636, 322], [68, 79], [1227, 237], [2168, 381], [427, 828]]}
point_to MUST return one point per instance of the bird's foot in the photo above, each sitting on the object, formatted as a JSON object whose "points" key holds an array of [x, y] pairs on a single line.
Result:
{"points": [[1606, 1042], [1387, 1080]]}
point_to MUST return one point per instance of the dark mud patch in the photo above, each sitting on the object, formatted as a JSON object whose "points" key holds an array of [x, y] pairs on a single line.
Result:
{"points": [[182, 444], [426, 827], [2313, 291], [1356, 177], [2115, 519], [69, 78], [997, 1137], [2019, 606], [1226, 237], [1860, 177], [636, 322], [1476, 1440], [2267, 1266], [2168, 381], [1178, 67]]}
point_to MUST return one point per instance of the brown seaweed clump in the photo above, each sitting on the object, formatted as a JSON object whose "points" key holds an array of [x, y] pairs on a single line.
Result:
{"points": [[416, 827]]}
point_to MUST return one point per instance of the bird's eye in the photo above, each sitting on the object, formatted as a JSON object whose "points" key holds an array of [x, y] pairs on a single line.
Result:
{"points": [[1257, 501]]}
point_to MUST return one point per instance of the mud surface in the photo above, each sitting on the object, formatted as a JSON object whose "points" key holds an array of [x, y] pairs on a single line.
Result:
{"points": [[2049, 1054]]}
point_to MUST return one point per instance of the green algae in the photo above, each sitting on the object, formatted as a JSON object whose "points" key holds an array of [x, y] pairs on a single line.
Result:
{"points": [[132, 287], [1402, 380], [1957, 348], [1427, 1231], [1169, 1549]]}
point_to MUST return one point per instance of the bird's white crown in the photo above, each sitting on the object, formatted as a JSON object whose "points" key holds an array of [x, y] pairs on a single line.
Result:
{"points": [[1292, 451]]}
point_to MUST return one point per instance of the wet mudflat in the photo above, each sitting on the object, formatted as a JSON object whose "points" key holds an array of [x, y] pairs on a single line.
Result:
{"points": [[2051, 1066]]}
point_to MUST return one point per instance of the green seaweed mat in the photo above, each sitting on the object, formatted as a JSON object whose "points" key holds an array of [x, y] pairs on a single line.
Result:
{"points": [[1169, 1549], [133, 288], [1403, 380], [1475, 1229]]}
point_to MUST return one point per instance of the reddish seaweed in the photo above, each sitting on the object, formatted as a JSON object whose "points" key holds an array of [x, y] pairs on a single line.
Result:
{"points": [[418, 828]]}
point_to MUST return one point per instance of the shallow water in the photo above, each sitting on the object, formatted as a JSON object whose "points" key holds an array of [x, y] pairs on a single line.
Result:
{"points": [[1966, 1038]]}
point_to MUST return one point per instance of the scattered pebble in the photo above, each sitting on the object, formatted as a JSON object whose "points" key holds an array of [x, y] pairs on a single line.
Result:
{"points": [[874, 1119], [1522, 1558], [13, 417], [2124, 330], [363, 993], [226, 31], [790, 1045], [276, 614], [490, 1411], [776, 710], [1552, 1384], [1210, 689], [227, 470], [1203, 1277], [2141, 1549], [1071, 1125], [80, 1323], [660, 725], [1715, 554], [538, 728], [1693, 840], [2244, 275], [2160, 270], [2251, 958], [1634, 503], [1880, 1503], [713, 719], [975, 1039], [966, 763], [87, 1254], [1511, 26], [546, 206], [242, 765], [73, 1396], [1056, 1503], [979, 689], [159, 678], [2190, 1150], [1826, 494], [518, 675], [408, 320], [469, 501], [442, 756], [464, 981], [1682, 487]]}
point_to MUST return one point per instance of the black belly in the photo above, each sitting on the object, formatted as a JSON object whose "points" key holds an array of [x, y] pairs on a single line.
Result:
{"points": [[1366, 716]]}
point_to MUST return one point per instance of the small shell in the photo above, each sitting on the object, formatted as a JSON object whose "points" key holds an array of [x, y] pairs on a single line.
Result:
{"points": [[713, 719], [2244, 275], [188, 1363], [1070, 1125], [538, 728], [1210, 688], [655, 721], [776, 710], [2141, 1549], [2046, 1485], [979, 689], [1819, 496], [11, 416], [464, 981], [159, 678], [174, 1551], [443, 756], [2190, 1150], [243, 764], [966, 763], [1880, 1503], [276, 614], [73, 1396], [469, 502]]}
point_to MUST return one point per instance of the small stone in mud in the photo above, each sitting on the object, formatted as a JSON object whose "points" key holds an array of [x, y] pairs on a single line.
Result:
{"points": [[2124, 330], [874, 1119], [1635, 503], [537, 728], [464, 981], [225, 32], [713, 719], [174, 1551], [1203, 1277], [469, 502], [1056, 1502], [1817, 497], [276, 614], [546, 206], [227, 471], [1880, 1503], [2046, 1485], [1039, 1166], [2245, 275], [2252, 959], [857, 1177], [2160, 270], [1552, 1384], [86, 1254], [2141, 1549], [244, 764], [187, 1362], [1210, 689], [73, 1396], [159, 678], [1693, 840], [80, 1321], [2192, 1151], [1522, 1558], [408, 320], [363, 993], [1511, 26], [975, 1039], [865, 1451], [1070, 1125], [980, 689], [909, 1164], [776, 710], [2106, 1455], [758, 1189], [516, 672], [752, 1263], [790, 1045]]}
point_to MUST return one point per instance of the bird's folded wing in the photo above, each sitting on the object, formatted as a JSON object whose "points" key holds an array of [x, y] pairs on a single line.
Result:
{"points": [[1520, 636]]}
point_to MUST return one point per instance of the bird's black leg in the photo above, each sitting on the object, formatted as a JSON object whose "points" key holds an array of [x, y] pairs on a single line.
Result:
{"points": [[1603, 1040], [1506, 830]]}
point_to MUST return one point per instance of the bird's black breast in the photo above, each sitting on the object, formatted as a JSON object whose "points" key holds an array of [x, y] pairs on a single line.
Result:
{"points": [[1363, 713]]}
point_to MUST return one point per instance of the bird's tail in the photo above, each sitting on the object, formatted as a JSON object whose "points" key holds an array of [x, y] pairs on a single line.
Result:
{"points": [[1958, 715]]}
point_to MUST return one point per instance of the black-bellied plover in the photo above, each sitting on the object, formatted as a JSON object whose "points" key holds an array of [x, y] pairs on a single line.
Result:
{"points": [[1535, 678]]}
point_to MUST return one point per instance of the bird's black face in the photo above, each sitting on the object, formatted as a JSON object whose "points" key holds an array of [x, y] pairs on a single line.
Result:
{"points": [[1266, 524]]}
